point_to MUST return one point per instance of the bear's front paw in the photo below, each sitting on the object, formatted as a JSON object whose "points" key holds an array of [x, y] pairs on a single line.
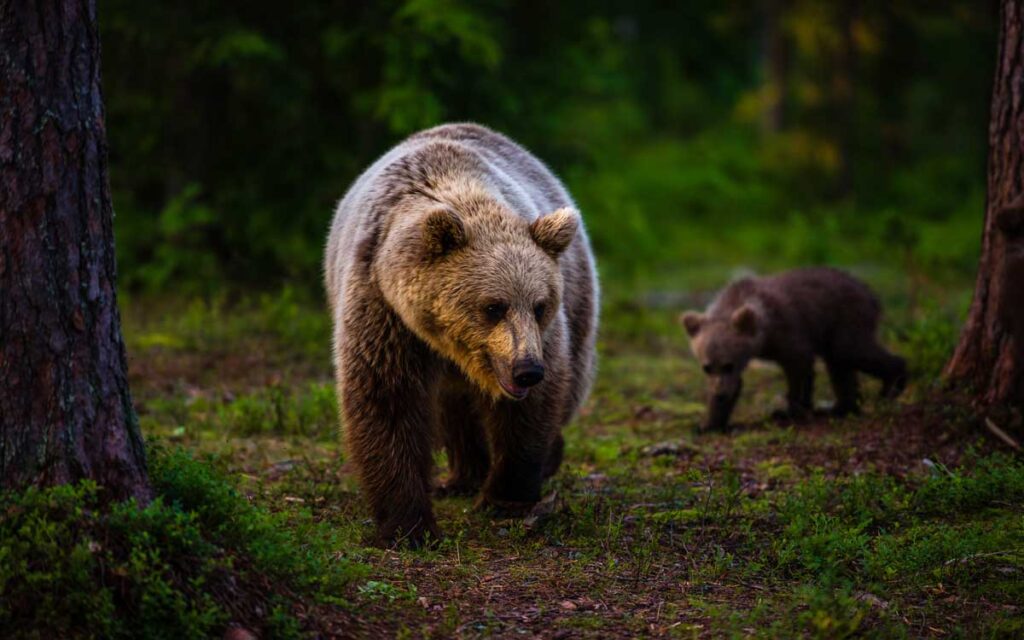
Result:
{"points": [[416, 533]]}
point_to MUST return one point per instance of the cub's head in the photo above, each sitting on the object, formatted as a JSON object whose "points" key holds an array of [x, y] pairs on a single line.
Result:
{"points": [[481, 289], [724, 347]]}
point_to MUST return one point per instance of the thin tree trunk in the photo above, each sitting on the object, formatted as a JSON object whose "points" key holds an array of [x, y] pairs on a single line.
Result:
{"points": [[65, 409], [845, 90], [775, 62], [990, 355]]}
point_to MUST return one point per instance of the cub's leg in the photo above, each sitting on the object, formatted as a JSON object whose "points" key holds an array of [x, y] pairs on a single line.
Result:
{"points": [[874, 360], [800, 381], [845, 387], [522, 436], [466, 445], [384, 377]]}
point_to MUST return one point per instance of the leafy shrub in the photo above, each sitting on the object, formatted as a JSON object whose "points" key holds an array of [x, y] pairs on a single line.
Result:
{"points": [[71, 566], [195, 558], [996, 478]]}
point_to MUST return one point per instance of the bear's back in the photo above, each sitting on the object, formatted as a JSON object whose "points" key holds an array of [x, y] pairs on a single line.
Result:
{"points": [[821, 303], [525, 183]]}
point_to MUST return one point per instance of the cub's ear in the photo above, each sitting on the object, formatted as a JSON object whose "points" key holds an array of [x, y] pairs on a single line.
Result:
{"points": [[443, 232], [555, 231], [691, 321], [745, 320]]}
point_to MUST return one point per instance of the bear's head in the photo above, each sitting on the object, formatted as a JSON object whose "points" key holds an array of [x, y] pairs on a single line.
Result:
{"points": [[724, 346], [481, 286]]}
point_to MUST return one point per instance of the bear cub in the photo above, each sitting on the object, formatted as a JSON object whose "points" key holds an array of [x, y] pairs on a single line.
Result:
{"points": [[791, 318]]}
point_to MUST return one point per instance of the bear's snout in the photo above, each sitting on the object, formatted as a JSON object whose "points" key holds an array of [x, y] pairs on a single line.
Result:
{"points": [[527, 372]]}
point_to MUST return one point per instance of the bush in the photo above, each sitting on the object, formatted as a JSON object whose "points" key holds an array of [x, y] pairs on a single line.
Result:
{"points": [[196, 558]]}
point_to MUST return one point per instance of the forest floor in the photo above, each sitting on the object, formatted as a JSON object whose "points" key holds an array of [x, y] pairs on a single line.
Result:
{"points": [[905, 521]]}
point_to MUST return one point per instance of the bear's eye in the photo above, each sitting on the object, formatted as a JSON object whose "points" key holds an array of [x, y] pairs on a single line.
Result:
{"points": [[496, 311], [708, 369], [727, 367], [538, 311]]}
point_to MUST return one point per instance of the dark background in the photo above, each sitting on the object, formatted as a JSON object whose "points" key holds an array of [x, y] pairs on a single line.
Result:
{"points": [[707, 132]]}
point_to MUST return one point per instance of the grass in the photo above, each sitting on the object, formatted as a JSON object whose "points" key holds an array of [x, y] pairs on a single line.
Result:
{"points": [[904, 522]]}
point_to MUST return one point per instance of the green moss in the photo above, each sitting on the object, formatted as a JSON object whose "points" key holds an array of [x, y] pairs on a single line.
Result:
{"points": [[183, 566]]}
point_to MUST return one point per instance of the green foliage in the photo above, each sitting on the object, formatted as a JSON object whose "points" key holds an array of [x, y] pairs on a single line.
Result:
{"points": [[219, 324], [72, 565], [835, 531], [280, 409], [996, 479], [768, 531], [294, 549], [929, 340], [234, 132]]}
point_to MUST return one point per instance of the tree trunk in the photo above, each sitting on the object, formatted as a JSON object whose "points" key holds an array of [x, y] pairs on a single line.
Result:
{"points": [[844, 87], [65, 409], [990, 356], [775, 62]]}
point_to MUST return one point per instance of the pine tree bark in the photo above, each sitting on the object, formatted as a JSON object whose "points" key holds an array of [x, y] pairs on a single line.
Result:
{"points": [[65, 409], [989, 358]]}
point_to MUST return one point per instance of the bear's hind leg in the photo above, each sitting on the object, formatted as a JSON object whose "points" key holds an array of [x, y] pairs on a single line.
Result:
{"points": [[555, 456], [800, 393], [465, 444], [845, 387], [891, 369]]}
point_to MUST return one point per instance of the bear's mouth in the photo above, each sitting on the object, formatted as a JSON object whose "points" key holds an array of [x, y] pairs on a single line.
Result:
{"points": [[514, 391], [504, 377]]}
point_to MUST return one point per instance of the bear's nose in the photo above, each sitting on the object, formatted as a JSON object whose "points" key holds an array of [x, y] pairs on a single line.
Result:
{"points": [[527, 373]]}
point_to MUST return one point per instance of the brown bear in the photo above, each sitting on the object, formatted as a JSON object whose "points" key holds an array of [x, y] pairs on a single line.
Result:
{"points": [[791, 318], [464, 300]]}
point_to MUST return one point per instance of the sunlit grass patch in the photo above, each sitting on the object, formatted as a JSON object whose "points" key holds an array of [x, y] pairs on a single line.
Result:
{"points": [[307, 410]]}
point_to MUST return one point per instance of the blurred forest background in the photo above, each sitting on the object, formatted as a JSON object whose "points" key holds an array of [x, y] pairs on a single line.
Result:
{"points": [[759, 134], [701, 138]]}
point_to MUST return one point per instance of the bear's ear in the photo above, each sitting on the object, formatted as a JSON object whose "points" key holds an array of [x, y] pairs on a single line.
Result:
{"points": [[691, 321], [443, 232], [744, 320], [555, 231]]}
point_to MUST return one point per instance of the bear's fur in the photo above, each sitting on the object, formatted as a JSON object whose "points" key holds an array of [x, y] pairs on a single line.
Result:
{"points": [[791, 318], [458, 274]]}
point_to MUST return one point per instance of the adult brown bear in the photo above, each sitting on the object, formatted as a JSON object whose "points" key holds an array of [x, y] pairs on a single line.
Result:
{"points": [[464, 299]]}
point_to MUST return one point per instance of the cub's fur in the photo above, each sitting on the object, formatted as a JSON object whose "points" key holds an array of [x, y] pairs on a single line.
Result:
{"points": [[791, 318], [464, 299]]}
